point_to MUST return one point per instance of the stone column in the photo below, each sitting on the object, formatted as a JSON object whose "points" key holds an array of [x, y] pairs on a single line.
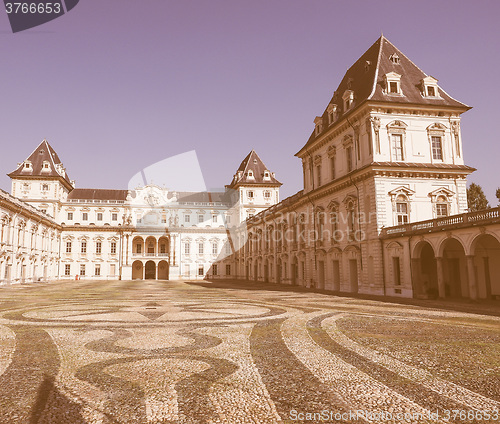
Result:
{"points": [[472, 277], [440, 277]]}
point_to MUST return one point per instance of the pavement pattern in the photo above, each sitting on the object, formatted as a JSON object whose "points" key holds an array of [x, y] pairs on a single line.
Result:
{"points": [[190, 352]]}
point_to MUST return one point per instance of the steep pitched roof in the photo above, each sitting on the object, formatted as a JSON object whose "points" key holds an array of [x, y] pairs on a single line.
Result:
{"points": [[253, 165], [365, 78], [44, 153], [97, 194]]}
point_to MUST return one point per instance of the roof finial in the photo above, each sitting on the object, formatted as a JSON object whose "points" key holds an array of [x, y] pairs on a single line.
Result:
{"points": [[381, 34]]}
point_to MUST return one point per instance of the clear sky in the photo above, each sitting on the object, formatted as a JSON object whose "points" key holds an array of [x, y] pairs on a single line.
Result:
{"points": [[116, 85]]}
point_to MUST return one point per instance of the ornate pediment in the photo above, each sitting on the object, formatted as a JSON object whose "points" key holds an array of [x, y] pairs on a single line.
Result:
{"points": [[401, 190], [442, 191]]}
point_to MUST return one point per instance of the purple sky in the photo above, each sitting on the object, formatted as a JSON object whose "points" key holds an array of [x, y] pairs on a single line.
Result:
{"points": [[117, 85]]}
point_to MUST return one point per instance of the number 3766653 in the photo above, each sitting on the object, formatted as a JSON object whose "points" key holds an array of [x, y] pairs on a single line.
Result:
{"points": [[33, 8]]}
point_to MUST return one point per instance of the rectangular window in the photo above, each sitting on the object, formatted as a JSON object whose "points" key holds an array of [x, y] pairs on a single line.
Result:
{"points": [[215, 248], [349, 158], [67, 269], [112, 269], [396, 269], [393, 86], [113, 247], [98, 247], [99, 216], [318, 173], [228, 247], [332, 167], [187, 248], [437, 151], [228, 269], [85, 216], [138, 248], [97, 270], [250, 194], [68, 247], [70, 216], [200, 218], [214, 219], [402, 213], [84, 247], [200, 248], [214, 269], [187, 218], [397, 147], [431, 91], [114, 217], [441, 210], [201, 271], [82, 270], [164, 219]]}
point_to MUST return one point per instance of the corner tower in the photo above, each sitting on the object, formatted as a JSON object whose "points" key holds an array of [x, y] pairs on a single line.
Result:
{"points": [[391, 133], [256, 186], [41, 180]]}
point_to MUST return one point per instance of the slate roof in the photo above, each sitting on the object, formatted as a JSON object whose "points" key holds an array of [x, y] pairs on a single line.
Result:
{"points": [[44, 152], [202, 197], [253, 163], [366, 79], [97, 194]]}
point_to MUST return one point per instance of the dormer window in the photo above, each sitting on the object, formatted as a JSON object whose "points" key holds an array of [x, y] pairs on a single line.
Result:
{"points": [[348, 98], [45, 166], [332, 113], [27, 166], [394, 58], [267, 175], [429, 87], [393, 83], [250, 174], [317, 122]]}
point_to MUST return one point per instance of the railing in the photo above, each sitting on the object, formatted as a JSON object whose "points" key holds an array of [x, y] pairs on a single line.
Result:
{"points": [[486, 216], [150, 254], [95, 201]]}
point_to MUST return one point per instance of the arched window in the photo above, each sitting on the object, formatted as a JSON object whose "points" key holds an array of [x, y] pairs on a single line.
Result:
{"points": [[402, 215]]}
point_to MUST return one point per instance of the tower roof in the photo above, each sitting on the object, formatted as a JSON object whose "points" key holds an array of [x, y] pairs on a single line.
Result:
{"points": [[44, 163], [252, 171], [366, 80]]}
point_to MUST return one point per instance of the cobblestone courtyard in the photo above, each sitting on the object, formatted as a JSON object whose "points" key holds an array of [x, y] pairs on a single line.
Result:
{"points": [[165, 352]]}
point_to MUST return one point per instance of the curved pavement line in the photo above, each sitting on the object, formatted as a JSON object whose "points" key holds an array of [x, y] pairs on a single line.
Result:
{"points": [[7, 347], [451, 390], [242, 396], [357, 388], [290, 384], [27, 388]]}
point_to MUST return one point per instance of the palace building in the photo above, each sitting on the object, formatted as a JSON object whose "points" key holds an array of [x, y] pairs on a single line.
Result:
{"points": [[50, 229], [383, 209]]}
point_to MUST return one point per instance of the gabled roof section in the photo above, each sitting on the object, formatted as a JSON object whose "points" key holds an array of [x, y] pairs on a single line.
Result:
{"points": [[252, 171], [38, 160], [366, 80]]}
